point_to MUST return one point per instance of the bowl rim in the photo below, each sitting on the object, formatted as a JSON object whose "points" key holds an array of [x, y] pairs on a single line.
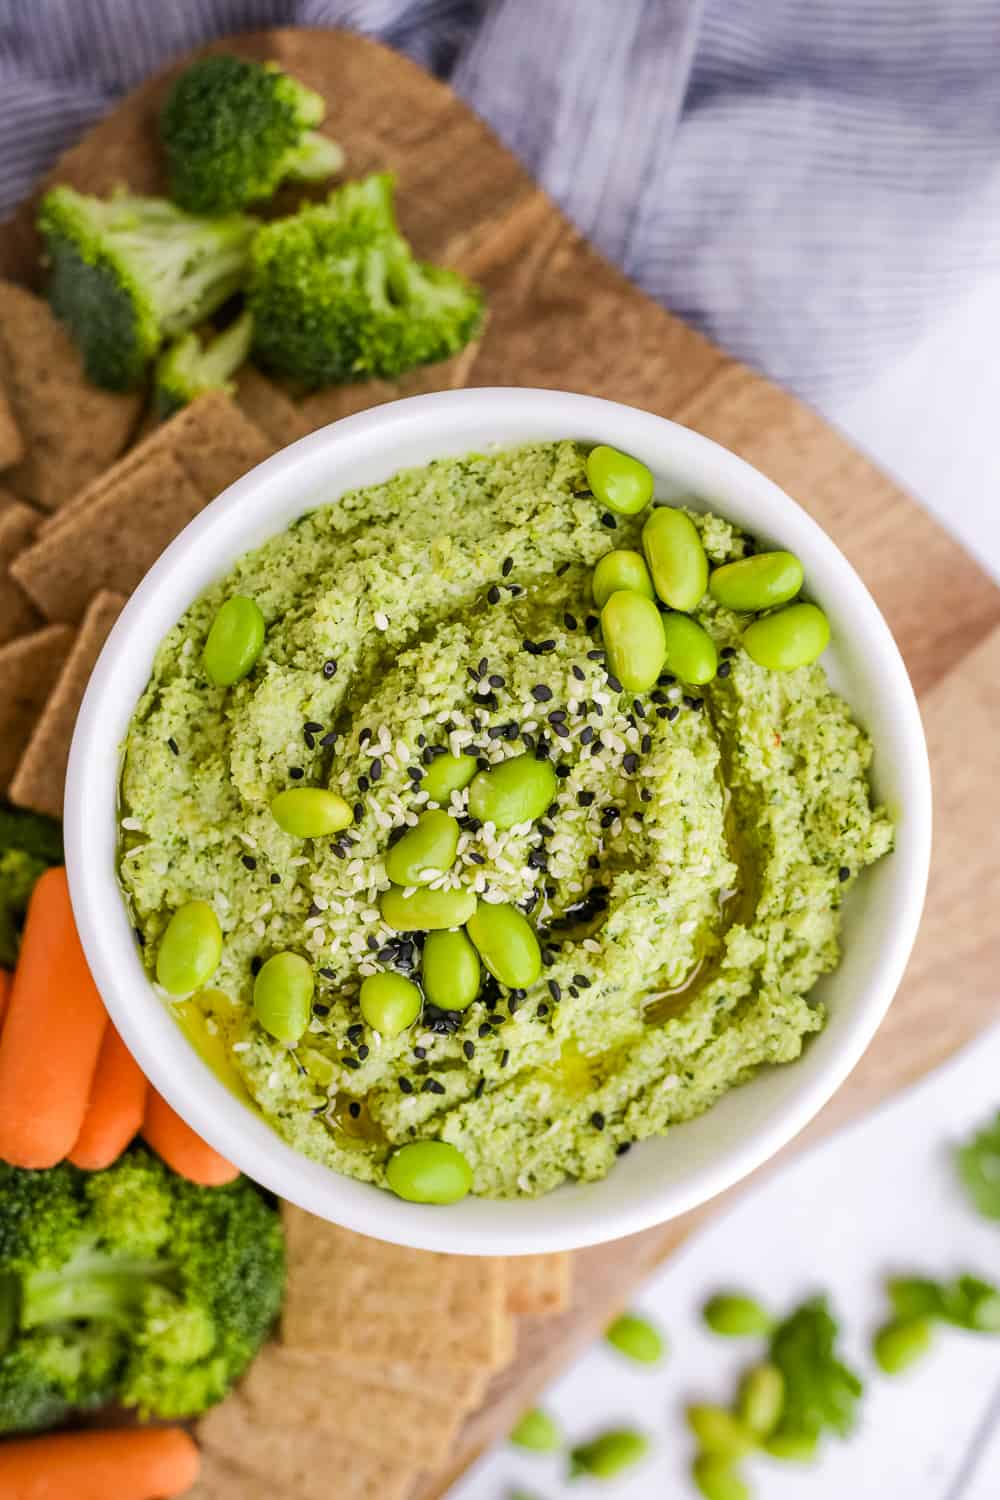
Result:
{"points": [[179, 1074]]}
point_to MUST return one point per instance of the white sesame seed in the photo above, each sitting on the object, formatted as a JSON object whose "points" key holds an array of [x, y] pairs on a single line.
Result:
{"points": [[240, 1047], [381, 620], [367, 969], [132, 825], [403, 753], [248, 839]]}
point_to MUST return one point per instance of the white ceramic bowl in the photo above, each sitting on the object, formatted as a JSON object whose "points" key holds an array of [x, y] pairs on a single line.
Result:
{"points": [[659, 1178]]}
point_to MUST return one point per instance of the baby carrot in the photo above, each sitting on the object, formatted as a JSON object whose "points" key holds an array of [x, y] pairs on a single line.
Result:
{"points": [[174, 1140], [134, 1463], [52, 1034], [116, 1109], [4, 994]]}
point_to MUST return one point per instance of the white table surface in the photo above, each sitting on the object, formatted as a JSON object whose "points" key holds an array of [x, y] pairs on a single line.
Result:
{"points": [[881, 1194]]}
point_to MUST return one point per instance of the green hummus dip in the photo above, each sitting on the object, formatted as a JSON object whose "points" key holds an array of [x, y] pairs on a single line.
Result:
{"points": [[685, 884]]}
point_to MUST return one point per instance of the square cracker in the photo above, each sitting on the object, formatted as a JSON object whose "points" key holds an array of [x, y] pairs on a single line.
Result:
{"points": [[460, 1385], [269, 408], [538, 1285], [313, 1465], [29, 668], [212, 440], [291, 1389], [349, 1294], [221, 1480], [18, 524], [111, 544], [11, 441], [71, 429], [40, 778]]}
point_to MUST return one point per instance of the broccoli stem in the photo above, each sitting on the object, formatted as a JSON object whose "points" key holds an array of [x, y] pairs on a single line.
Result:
{"points": [[315, 158], [90, 1288], [224, 354]]}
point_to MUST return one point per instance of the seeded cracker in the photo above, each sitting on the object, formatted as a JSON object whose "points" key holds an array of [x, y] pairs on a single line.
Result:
{"points": [[40, 778], [297, 1390], [11, 442], [18, 524], [112, 543], [462, 1386], [538, 1285], [376, 1301], [312, 1465], [71, 430], [29, 668], [211, 439]]}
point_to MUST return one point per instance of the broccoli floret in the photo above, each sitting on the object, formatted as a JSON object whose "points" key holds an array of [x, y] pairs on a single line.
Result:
{"points": [[337, 295], [129, 273], [131, 1284], [187, 369], [29, 844], [234, 130]]}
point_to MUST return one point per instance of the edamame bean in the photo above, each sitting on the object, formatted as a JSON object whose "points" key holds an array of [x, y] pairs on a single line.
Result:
{"points": [[791, 637], [190, 949], [428, 1172], [633, 635], [690, 650], [309, 812], [718, 1431], [618, 481], [637, 1338], [735, 1315], [676, 557], [610, 1454], [537, 1431], [899, 1344], [450, 970], [234, 641], [517, 790], [761, 1399], [425, 851], [446, 774], [389, 1003], [621, 570], [426, 910], [754, 583], [506, 943], [283, 995], [717, 1479], [795, 1447]]}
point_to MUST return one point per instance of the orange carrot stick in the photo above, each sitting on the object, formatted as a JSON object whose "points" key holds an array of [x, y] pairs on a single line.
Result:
{"points": [[174, 1140], [4, 994], [116, 1109], [135, 1463], [52, 1034]]}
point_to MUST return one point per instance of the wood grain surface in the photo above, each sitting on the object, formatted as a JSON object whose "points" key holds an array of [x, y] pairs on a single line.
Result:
{"points": [[561, 316]]}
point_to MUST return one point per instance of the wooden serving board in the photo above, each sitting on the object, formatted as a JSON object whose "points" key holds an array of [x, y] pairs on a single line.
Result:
{"points": [[561, 316]]}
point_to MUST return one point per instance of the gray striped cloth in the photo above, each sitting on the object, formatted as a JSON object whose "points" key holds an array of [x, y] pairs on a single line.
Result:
{"points": [[808, 181]]}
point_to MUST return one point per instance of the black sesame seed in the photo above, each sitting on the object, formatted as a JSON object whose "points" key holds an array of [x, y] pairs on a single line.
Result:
{"points": [[570, 621], [415, 774], [420, 1053], [672, 712], [630, 763], [646, 795], [364, 735], [554, 990], [562, 568], [582, 981], [514, 589], [249, 861], [608, 520], [646, 744], [359, 811], [597, 1120], [614, 684], [574, 991], [329, 668], [354, 1109], [562, 769], [666, 679], [485, 1029], [597, 656], [578, 673], [296, 773], [480, 1086], [351, 1062], [329, 739], [623, 1149], [843, 874], [542, 1010], [597, 746], [314, 910], [322, 1011], [506, 566], [311, 727], [548, 957], [355, 1032], [363, 783], [541, 693], [561, 729], [694, 703], [328, 973], [376, 769], [469, 1048], [493, 595], [659, 696], [275, 879], [496, 681], [593, 863], [477, 858], [431, 1086], [546, 829], [405, 1086], [363, 1051], [537, 860], [585, 799], [725, 667], [505, 1057], [591, 622], [172, 746], [727, 652]]}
